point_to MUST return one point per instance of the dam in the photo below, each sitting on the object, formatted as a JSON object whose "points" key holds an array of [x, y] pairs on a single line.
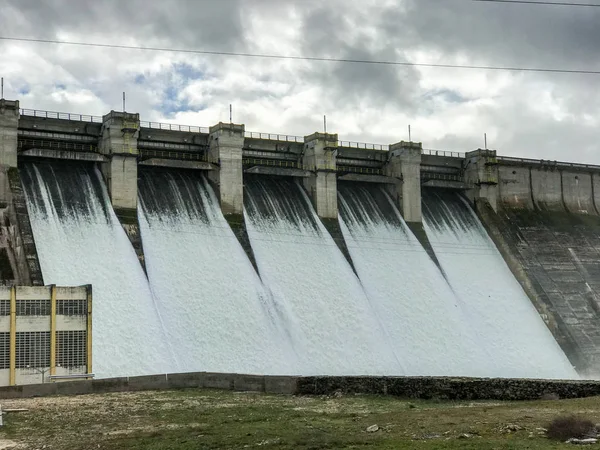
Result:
{"points": [[223, 250]]}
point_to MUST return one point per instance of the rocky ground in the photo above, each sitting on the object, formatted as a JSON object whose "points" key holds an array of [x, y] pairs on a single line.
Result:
{"points": [[197, 419]]}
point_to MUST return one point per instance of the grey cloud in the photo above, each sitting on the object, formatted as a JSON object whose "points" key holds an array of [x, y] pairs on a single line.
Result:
{"points": [[180, 23], [326, 34], [501, 34]]}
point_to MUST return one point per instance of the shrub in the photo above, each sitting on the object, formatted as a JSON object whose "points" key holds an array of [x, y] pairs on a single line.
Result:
{"points": [[567, 427]]}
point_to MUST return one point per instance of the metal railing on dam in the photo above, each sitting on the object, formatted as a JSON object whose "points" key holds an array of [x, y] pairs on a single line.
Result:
{"points": [[59, 115], [27, 144], [173, 127], [363, 145], [510, 160], [249, 134], [445, 153], [273, 137]]}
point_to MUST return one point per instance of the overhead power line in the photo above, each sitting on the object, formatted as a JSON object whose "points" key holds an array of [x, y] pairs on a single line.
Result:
{"points": [[304, 58], [543, 3]]}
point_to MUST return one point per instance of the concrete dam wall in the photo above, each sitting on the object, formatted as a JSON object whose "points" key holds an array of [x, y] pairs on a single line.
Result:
{"points": [[271, 254], [548, 218]]}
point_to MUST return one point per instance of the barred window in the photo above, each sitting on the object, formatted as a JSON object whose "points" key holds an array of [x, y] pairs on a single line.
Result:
{"points": [[71, 348], [71, 307], [4, 307], [33, 349], [33, 307], [4, 350]]}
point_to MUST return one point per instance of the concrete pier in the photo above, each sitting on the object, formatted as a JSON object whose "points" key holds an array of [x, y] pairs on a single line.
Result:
{"points": [[118, 142], [226, 146], [319, 157], [9, 125], [481, 175], [404, 165]]}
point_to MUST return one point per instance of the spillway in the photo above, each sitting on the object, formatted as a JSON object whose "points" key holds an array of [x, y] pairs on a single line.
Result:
{"points": [[501, 314], [218, 315], [328, 317], [416, 306], [80, 241]]}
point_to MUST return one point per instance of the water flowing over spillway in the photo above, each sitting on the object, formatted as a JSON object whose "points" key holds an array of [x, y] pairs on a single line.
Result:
{"points": [[500, 313], [415, 304], [329, 319], [80, 241], [218, 316]]}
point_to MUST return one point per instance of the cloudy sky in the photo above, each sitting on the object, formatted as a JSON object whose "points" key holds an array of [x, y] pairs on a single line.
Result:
{"points": [[541, 115]]}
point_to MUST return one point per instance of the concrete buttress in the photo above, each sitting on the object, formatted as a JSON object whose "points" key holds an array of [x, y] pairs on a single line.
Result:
{"points": [[226, 144], [225, 150], [118, 142], [319, 157], [481, 174], [404, 164], [9, 125], [16, 237]]}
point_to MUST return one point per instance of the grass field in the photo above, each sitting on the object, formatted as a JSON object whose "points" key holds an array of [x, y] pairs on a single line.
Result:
{"points": [[198, 419]]}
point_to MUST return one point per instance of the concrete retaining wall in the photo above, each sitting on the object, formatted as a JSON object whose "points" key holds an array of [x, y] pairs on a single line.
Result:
{"points": [[578, 192], [406, 387], [547, 189], [514, 187]]}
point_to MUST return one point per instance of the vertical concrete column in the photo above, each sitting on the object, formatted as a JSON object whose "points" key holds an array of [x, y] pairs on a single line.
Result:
{"points": [[9, 125], [320, 153], [118, 142], [404, 164], [481, 175], [226, 145]]}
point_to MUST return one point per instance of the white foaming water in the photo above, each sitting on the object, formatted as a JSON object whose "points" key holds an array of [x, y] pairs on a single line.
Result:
{"points": [[411, 297], [333, 328], [218, 316], [79, 241], [508, 325]]}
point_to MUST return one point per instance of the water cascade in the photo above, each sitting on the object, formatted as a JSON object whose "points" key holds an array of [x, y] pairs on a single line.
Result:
{"points": [[217, 313], [508, 326], [328, 317], [416, 306], [80, 241]]}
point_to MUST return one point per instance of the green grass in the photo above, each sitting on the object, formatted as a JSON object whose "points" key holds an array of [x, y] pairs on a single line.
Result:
{"points": [[198, 419]]}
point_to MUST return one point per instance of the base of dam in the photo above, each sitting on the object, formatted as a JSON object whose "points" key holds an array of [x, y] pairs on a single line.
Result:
{"points": [[442, 388]]}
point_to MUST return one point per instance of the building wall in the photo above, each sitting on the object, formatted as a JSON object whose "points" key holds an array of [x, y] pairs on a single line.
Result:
{"points": [[44, 331]]}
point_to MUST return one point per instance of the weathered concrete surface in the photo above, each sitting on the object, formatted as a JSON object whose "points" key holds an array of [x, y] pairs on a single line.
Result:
{"points": [[404, 165], [178, 164], [514, 187], [444, 388], [578, 192], [546, 184], [63, 154], [359, 177], [507, 239], [446, 184], [226, 146], [481, 174], [118, 143], [559, 254], [23, 243], [9, 125], [72, 126], [279, 171], [320, 151]]}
